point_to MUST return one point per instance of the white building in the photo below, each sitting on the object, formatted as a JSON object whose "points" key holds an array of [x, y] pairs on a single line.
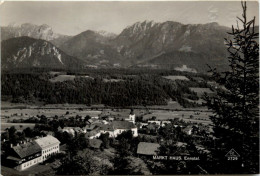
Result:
{"points": [[188, 130], [117, 127], [93, 134], [25, 155], [131, 117], [69, 130], [157, 122], [165, 122], [31, 153], [49, 145], [143, 124]]}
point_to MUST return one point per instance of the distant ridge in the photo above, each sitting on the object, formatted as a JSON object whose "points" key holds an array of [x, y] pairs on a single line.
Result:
{"points": [[143, 44], [26, 52]]}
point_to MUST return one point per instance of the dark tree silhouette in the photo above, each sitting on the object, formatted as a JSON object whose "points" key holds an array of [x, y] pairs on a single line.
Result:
{"points": [[236, 123]]}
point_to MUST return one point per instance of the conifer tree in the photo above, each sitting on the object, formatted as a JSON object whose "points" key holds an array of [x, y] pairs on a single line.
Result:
{"points": [[236, 109]]}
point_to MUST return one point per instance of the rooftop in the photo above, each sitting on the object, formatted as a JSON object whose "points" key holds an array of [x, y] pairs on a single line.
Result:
{"points": [[123, 125], [47, 141], [27, 149], [147, 148], [91, 133], [107, 127], [95, 143]]}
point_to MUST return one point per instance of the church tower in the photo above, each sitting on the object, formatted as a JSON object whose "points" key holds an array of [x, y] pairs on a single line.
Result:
{"points": [[132, 116]]}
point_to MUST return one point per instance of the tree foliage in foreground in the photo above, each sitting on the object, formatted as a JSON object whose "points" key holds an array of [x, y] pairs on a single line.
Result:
{"points": [[236, 119]]}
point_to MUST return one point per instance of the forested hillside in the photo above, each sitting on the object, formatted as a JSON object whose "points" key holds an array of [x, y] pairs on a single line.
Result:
{"points": [[122, 90]]}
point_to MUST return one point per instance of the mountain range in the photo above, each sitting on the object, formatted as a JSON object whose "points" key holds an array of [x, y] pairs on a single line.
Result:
{"points": [[143, 44], [26, 52]]}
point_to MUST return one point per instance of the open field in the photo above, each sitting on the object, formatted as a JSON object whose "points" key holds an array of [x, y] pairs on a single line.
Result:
{"points": [[170, 111], [56, 73], [11, 114], [201, 91], [199, 101], [121, 113], [175, 77], [205, 122], [8, 105], [112, 80], [184, 115], [171, 105], [61, 78], [18, 126]]}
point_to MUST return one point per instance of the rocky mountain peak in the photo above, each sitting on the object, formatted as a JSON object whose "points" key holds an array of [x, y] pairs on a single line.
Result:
{"points": [[44, 31], [140, 27], [28, 52], [109, 35]]}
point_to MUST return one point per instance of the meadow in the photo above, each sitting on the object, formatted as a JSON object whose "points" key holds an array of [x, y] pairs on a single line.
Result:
{"points": [[112, 80], [186, 115], [18, 126], [62, 78], [201, 91], [176, 77]]}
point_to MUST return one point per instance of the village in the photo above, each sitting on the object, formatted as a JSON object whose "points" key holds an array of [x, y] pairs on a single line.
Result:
{"points": [[47, 138], [24, 150], [129, 88]]}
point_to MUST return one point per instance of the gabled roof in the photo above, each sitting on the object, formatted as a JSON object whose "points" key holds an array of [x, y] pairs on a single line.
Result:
{"points": [[123, 125], [27, 149], [68, 128], [107, 127], [118, 125], [90, 127], [91, 133], [47, 141], [188, 128], [147, 148], [95, 143]]}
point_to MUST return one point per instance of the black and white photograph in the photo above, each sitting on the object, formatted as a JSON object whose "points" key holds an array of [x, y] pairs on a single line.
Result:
{"points": [[129, 87]]}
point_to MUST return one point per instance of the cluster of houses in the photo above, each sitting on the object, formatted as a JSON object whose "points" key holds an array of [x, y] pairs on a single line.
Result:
{"points": [[158, 123], [30, 153], [96, 127]]}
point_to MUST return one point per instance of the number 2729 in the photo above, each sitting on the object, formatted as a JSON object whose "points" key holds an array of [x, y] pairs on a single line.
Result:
{"points": [[232, 158]]}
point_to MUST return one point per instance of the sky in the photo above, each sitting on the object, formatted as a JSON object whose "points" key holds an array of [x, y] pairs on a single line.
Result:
{"points": [[71, 18]]}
